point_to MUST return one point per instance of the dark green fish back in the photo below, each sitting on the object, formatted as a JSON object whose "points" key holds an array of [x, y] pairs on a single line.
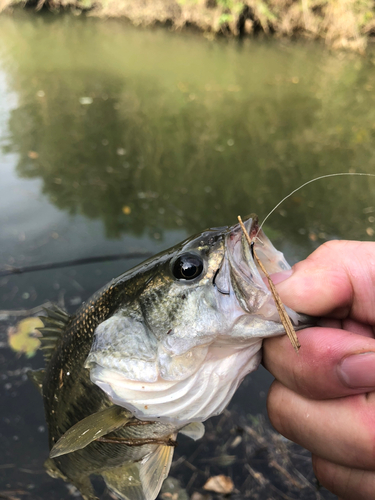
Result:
{"points": [[69, 396]]}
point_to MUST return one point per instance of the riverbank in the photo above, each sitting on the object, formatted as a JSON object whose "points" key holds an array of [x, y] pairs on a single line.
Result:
{"points": [[341, 24]]}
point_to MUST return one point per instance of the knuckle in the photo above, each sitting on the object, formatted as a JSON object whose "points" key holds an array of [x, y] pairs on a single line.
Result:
{"points": [[273, 406], [326, 249], [324, 472]]}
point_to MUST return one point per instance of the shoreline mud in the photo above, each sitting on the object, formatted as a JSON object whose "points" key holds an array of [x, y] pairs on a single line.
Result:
{"points": [[341, 24]]}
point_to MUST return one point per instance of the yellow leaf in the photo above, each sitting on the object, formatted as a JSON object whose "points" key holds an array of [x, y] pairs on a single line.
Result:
{"points": [[23, 337]]}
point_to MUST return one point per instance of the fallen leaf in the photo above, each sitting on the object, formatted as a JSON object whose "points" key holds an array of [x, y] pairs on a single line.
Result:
{"points": [[219, 484], [23, 337]]}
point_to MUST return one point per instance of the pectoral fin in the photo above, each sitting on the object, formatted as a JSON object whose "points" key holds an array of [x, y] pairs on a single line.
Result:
{"points": [[194, 430], [89, 429]]}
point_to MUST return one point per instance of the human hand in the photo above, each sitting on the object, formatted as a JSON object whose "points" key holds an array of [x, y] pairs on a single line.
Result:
{"points": [[324, 397]]}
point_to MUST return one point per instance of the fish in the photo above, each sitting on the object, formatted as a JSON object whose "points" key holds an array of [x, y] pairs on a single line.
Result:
{"points": [[155, 353]]}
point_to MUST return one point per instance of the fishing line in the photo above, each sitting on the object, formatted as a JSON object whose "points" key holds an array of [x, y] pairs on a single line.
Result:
{"points": [[309, 182]]}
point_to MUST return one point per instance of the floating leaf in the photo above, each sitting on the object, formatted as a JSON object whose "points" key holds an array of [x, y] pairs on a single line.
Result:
{"points": [[23, 337]]}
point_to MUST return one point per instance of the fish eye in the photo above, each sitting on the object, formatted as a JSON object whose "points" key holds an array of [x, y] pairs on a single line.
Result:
{"points": [[187, 267]]}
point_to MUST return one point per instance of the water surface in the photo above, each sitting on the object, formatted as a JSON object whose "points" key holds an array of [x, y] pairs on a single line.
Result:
{"points": [[115, 139]]}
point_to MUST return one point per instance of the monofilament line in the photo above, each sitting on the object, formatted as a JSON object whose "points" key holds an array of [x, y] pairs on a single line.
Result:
{"points": [[309, 182], [289, 329]]}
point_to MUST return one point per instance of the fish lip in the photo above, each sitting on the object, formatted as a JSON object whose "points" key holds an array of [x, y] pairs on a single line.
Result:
{"points": [[235, 233], [251, 223]]}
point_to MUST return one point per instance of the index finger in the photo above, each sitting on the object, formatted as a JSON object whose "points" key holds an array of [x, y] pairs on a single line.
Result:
{"points": [[331, 363], [336, 280]]}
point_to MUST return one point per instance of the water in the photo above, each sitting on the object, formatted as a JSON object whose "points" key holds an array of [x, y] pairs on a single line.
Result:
{"points": [[115, 139]]}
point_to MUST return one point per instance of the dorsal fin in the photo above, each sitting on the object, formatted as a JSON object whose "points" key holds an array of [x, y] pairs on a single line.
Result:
{"points": [[55, 322]]}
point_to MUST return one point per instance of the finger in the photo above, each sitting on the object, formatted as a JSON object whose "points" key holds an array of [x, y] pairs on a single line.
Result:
{"points": [[331, 363], [349, 325], [358, 328], [327, 428], [337, 279], [347, 483]]}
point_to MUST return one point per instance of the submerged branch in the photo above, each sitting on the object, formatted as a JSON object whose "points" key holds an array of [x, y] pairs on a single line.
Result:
{"points": [[73, 262], [137, 442]]}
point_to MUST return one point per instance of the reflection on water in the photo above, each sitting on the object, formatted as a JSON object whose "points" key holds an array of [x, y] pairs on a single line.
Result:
{"points": [[146, 134], [115, 139]]}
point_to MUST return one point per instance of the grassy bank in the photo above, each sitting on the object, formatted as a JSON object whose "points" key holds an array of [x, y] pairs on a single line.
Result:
{"points": [[340, 23]]}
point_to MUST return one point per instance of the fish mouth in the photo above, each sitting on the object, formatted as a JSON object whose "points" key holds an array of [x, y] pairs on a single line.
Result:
{"points": [[240, 275]]}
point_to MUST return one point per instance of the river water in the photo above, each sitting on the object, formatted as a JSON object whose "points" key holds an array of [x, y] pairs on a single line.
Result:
{"points": [[115, 139]]}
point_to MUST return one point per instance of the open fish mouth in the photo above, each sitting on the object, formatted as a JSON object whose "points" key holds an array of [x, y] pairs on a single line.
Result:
{"points": [[241, 277]]}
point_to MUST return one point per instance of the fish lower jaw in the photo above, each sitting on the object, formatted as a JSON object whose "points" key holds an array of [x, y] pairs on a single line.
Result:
{"points": [[200, 396]]}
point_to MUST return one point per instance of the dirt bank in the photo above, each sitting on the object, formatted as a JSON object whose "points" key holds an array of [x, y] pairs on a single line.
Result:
{"points": [[340, 23]]}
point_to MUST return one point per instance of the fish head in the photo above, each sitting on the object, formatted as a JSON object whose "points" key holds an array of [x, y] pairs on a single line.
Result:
{"points": [[191, 326]]}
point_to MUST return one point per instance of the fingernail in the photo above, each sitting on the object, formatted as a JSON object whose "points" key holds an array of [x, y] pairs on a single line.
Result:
{"points": [[282, 276], [358, 371]]}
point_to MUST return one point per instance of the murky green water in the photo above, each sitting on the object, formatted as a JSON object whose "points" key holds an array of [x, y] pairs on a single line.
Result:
{"points": [[114, 140]]}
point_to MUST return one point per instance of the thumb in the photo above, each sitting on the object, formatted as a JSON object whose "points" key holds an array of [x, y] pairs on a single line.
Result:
{"points": [[336, 280]]}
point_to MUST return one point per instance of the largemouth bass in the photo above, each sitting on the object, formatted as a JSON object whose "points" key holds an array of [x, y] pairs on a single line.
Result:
{"points": [[157, 351]]}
